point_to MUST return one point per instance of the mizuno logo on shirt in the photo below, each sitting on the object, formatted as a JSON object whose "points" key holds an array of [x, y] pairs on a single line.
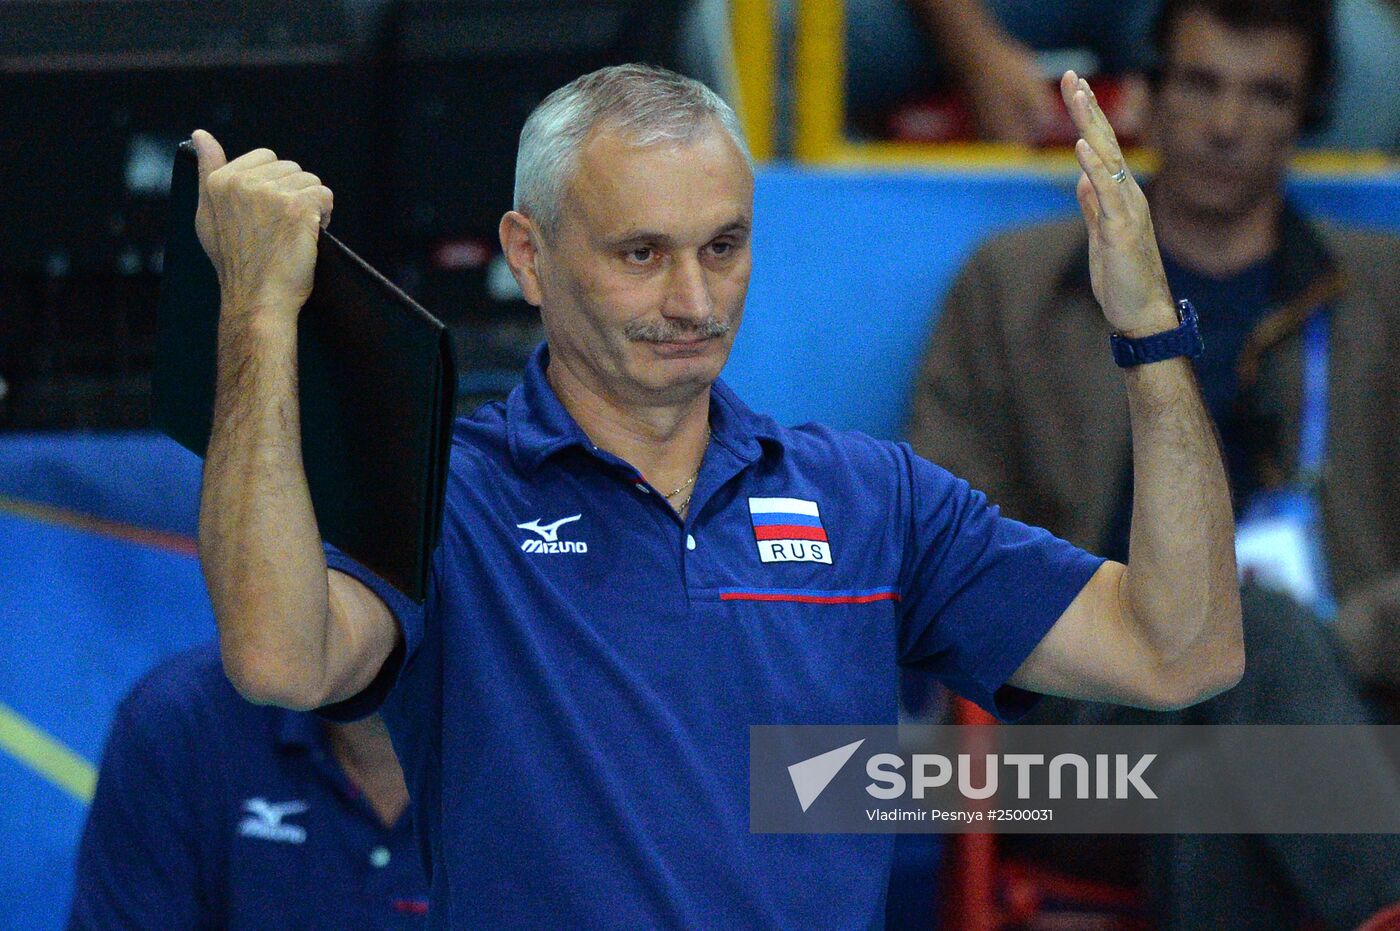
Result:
{"points": [[549, 533], [265, 821]]}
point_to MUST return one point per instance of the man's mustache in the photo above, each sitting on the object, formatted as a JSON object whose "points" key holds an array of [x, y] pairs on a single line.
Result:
{"points": [[676, 333]]}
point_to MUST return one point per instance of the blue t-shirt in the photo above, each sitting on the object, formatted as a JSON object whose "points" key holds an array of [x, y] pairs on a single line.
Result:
{"points": [[1229, 310], [212, 812], [573, 701]]}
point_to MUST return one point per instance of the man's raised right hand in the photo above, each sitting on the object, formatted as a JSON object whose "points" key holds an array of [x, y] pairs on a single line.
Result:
{"points": [[258, 219]]}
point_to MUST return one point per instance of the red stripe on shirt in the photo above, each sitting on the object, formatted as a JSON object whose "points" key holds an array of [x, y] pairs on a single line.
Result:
{"points": [[789, 532], [810, 599]]}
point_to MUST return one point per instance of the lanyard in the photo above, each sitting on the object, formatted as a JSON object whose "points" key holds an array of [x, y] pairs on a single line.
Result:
{"points": [[1312, 447], [1281, 529], [1312, 431]]}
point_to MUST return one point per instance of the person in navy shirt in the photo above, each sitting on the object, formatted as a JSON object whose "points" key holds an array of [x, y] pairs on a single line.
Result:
{"points": [[211, 812], [635, 567]]}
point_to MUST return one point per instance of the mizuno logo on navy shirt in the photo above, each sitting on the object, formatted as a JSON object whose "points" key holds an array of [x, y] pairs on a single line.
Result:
{"points": [[265, 820], [550, 542]]}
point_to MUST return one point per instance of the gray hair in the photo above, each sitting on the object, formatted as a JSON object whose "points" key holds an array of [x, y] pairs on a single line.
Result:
{"points": [[644, 104]]}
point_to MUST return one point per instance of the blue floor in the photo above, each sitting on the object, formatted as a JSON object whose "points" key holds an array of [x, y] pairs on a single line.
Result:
{"points": [[82, 617]]}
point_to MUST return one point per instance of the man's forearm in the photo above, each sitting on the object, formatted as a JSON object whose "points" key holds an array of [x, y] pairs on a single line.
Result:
{"points": [[961, 28], [258, 539], [1180, 590]]}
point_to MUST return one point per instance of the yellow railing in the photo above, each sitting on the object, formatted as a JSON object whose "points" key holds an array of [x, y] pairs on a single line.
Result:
{"points": [[819, 81], [753, 32]]}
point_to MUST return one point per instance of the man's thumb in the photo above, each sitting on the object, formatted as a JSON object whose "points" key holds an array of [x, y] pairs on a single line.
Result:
{"points": [[211, 154]]}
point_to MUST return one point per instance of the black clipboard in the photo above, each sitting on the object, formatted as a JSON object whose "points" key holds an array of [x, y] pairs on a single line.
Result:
{"points": [[377, 386]]}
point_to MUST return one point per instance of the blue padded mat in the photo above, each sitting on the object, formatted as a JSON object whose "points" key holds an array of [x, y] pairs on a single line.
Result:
{"points": [[143, 479], [82, 617]]}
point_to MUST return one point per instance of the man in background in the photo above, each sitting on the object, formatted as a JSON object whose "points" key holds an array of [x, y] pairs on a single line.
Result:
{"points": [[1301, 325], [1000, 52], [212, 812]]}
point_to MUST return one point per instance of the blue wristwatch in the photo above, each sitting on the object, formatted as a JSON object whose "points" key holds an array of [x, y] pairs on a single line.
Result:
{"points": [[1185, 340]]}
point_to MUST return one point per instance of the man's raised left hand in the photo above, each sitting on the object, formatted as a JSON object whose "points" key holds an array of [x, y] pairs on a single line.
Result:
{"points": [[1124, 264]]}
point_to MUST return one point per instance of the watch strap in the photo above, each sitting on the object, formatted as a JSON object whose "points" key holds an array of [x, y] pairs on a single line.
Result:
{"points": [[1185, 340]]}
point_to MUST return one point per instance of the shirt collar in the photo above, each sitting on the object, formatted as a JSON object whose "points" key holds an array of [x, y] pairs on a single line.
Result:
{"points": [[538, 426]]}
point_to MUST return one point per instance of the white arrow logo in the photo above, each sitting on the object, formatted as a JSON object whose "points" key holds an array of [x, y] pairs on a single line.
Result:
{"points": [[550, 532], [265, 821], [272, 814], [811, 777]]}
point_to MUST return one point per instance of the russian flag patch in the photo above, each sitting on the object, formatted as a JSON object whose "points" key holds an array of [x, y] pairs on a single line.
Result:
{"points": [[789, 530]]}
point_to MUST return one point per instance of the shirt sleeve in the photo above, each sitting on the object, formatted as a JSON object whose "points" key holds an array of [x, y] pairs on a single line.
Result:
{"points": [[979, 591], [408, 614], [141, 858]]}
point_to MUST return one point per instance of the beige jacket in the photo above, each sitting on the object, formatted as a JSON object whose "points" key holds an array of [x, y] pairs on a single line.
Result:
{"points": [[1019, 395]]}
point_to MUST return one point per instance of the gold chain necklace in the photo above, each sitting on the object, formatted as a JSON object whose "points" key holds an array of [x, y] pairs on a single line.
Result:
{"points": [[680, 508], [685, 484]]}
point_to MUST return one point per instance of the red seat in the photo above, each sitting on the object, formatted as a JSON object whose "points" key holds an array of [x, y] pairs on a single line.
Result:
{"points": [[986, 892], [1387, 919]]}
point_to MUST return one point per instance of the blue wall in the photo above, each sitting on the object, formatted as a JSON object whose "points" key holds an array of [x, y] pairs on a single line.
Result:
{"points": [[851, 266]]}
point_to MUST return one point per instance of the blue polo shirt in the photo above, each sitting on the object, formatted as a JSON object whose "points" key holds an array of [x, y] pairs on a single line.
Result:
{"points": [[211, 812], [573, 699]]}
